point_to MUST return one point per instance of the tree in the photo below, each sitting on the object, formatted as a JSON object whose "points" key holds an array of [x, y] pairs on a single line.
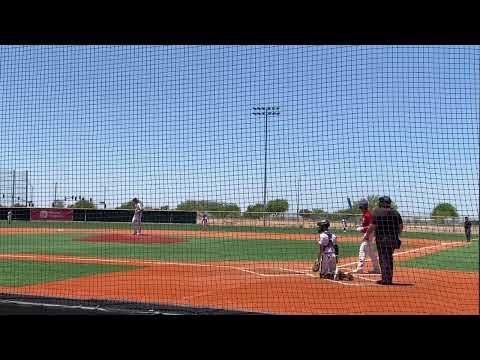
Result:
{"points": [[58, 204], [373, 202], [318, 214], [254, 211], [337, 215], [277, 206], [83, 204], [129, 205], [230, 210], [444, 210], [314, 214], [165, 207], [305, 213], [355, 212], [220, 210]]}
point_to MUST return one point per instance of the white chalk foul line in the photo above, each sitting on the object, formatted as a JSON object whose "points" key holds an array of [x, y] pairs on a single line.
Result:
{"points": [[364, 278], [373, 280], [308, 273], [267, 275], [295, 271], [409, 251], [141, 262], [347, 283]]}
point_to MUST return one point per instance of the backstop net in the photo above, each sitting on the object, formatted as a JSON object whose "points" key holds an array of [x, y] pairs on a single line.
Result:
{"points": [[235, 154]]}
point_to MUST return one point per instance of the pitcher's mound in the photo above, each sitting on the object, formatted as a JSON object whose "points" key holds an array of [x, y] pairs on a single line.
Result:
{"points": [[132, 239]]}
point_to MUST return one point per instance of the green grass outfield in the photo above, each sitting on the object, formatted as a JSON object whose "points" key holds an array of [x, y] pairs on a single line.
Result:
{"points": [[463, 258], [195, 249], [444, 236], [14, 273]]}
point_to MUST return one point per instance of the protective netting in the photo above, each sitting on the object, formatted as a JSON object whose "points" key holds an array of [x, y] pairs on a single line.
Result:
{"points": [[14, 188], [235, 153]]}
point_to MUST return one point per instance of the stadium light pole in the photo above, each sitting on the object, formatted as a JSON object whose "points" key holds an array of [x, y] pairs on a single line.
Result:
{"points": [[31, 195], [265, 112], [298, 200], [26, 189]]}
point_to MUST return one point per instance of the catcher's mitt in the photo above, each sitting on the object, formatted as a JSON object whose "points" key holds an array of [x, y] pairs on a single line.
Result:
{"points": [[316, 266]]}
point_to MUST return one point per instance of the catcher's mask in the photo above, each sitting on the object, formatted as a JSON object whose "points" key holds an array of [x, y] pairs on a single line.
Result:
{"points": [[323, 225]]}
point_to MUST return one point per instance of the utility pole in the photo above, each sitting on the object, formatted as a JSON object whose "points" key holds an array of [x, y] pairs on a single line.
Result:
{"points": [[265, 112], [13, 189]]}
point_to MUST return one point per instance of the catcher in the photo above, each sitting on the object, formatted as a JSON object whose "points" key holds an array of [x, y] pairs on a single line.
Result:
{"points": [[326, 262]]}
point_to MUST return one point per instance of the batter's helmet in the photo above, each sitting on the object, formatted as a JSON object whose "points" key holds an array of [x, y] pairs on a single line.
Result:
{"points": [[363, 204]]}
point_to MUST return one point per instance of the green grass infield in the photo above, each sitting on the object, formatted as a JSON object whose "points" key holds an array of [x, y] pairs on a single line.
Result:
{"points": [[194, 249], [463, 258]]}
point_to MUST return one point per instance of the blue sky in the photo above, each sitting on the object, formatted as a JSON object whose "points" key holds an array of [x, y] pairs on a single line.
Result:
{"points": [[171, 123]]}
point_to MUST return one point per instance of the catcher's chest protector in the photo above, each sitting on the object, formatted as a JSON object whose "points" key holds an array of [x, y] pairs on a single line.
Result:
{"points": [[330, 246], [328, 261]]}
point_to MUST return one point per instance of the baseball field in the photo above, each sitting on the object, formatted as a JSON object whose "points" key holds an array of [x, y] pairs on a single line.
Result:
{"points": [[254, 269]]}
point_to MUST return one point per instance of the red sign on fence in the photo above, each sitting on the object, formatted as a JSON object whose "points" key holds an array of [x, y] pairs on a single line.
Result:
{"points": [[51, 214]]}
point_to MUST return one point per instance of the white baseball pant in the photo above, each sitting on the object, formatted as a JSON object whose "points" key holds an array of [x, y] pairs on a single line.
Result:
{"points": [[136, 223], [367, 249]]}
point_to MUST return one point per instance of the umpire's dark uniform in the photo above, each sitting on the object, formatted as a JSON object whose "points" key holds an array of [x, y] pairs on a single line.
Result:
{"points": [[388, 224]]}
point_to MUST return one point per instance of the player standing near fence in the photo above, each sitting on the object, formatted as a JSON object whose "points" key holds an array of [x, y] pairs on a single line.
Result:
{"points": [[9, 216], [204, 221], [137, 217], [367, 245], [468, 229]]}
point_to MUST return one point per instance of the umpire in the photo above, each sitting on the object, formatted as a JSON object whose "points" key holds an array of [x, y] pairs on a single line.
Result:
{"points": [[388, 225]]}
